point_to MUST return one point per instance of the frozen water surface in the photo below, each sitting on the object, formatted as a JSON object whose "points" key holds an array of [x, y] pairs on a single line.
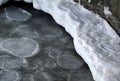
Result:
{"points": [[15, 13], [36, 47], [23, 47]]}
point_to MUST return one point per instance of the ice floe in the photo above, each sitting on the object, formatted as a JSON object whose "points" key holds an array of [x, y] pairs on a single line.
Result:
{"points": [[15, 13], [23, 47]]}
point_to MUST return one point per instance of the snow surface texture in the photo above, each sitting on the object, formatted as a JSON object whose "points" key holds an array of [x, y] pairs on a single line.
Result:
{"points": [[94, 39]]}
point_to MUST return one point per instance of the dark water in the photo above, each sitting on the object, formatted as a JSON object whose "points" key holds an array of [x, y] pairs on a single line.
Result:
{"points": [[56, 59]]}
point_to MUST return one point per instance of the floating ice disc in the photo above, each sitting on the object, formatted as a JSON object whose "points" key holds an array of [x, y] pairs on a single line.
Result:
{"points": [[69, 61], [11, 62], [15, 13], [23, 47]]}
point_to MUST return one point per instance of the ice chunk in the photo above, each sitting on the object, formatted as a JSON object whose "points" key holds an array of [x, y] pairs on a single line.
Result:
{"points": [[89, 1], [82, 75], [51, 63], [15, 13], [27, 77], [37, 76], [23, 47], [48, 33], [53, 52], [107, 12], [58, 73], [11, 62], [32, 67], [69, 61], [65, 40], [7, 75], [24, 30]]}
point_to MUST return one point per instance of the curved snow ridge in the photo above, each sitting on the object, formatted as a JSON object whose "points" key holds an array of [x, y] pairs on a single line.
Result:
{"points": [[94, 38]]}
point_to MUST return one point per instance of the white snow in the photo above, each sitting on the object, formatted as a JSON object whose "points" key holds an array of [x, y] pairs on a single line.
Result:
{"points": [[107, 12], [94, 38], [89, 1]]}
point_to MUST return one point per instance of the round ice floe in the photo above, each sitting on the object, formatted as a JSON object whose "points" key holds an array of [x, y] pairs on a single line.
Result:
{"points": [[23, 47], [69, 61], [37, 76], [15, 13], [53, 52], [48, 33], [6, 75], [51, 64], [32, 67], [64, 41], [25, 30], [80, 76], [58, 73], [11, 62], [27, 77]]}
